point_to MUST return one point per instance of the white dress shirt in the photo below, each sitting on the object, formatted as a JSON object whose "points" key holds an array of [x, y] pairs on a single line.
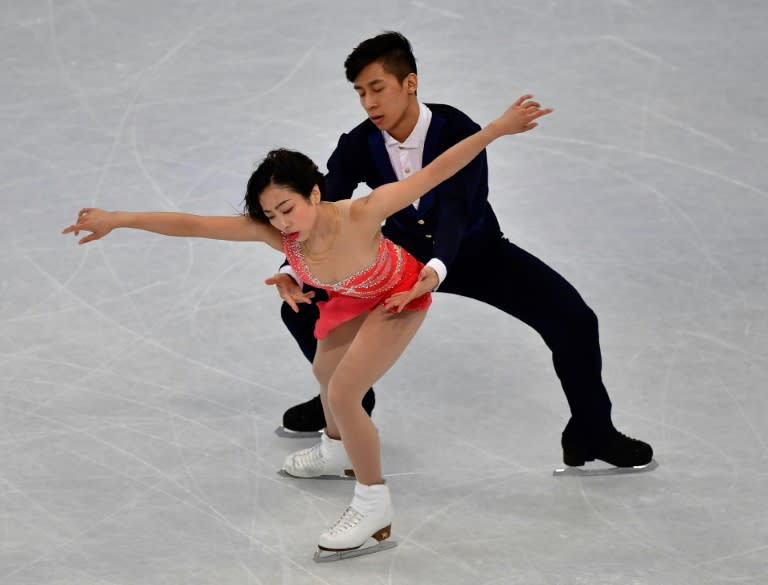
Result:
{"points": [[406, 159]]}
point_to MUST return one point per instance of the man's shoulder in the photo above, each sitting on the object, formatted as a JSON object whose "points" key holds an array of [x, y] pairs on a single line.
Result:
{"points": [[353, 143], [452, 115], [362, 130]]}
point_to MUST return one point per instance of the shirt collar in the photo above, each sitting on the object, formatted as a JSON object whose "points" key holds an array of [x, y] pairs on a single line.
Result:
{"points": [[418, 135]]}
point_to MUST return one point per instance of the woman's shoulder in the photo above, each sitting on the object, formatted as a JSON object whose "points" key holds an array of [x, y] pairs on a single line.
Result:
{"points": [[343, 206]]}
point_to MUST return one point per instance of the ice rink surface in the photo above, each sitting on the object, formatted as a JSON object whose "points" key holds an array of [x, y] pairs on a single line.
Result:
{"points": [[141, 378]]}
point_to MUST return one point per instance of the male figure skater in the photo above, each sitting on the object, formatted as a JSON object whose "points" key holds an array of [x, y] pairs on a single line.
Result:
{"points": [[454, 231]]}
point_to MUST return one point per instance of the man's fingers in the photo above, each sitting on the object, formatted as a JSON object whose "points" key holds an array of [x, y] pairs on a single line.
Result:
{"points": [[398, 301], [392, 301], [404, 301]]}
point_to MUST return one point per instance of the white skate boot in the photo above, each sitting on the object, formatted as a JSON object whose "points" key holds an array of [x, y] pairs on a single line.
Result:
{"points": [[369, 516], [328, 458]]}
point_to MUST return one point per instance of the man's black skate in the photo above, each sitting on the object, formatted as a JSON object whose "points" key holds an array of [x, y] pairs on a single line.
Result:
{"points": [[617, 450], [308, 417], [624, 453]]}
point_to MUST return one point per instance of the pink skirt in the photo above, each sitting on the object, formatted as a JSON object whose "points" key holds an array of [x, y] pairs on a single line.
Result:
{"points": [[340, 308]]}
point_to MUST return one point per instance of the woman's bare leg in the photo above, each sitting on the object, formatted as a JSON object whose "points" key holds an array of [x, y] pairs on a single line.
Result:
{"points": [[329, 352], [379, 342]]}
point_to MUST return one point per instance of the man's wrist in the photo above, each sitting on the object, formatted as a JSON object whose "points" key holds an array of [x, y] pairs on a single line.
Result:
{"points": [[289, 271], [439, 267]]}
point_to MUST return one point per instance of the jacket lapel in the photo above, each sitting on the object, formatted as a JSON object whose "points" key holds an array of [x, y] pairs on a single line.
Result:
{"points": [[387, 173], [381, 158], [431, 152]]}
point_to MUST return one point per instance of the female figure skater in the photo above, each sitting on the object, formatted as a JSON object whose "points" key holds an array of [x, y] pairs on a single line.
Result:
{"points": [[377, 300]]}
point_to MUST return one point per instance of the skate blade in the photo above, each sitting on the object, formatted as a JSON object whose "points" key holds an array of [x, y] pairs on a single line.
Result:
{"points": [[595, 472], [331, 556], [348, 474], [281, 431]]}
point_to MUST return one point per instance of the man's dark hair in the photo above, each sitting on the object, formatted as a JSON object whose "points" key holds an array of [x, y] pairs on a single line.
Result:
{"points": [[390, 48]]}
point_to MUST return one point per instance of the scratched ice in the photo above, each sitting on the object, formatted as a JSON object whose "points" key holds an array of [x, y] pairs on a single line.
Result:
{"points": [[141, 378]]}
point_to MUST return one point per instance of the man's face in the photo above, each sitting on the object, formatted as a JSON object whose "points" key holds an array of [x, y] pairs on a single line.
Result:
{"points": [[390, 105]]}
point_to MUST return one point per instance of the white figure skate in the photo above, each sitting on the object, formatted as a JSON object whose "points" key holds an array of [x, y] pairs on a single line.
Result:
{"points": [[326, 459], [367, 519]]}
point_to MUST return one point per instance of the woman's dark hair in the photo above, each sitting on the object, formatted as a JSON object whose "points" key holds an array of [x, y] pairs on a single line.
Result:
{"points": [[390, 48], [283, 168]]}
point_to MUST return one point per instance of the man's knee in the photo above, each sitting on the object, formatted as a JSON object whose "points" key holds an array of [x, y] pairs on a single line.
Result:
{"points": [[584, 318], [573, 324], [306, 315], [302, 326]]}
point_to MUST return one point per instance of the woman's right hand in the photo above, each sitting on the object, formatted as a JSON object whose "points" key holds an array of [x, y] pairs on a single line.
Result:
{"points": [[520, 116], [90, 219]]}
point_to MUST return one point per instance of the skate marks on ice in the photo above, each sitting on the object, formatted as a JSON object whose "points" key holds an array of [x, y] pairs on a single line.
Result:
{"points": [[597, 470], [284, 433], [369, 547]]}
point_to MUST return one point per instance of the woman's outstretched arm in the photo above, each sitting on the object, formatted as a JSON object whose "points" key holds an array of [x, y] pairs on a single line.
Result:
{"points": [[391, 198], [100, 222]]}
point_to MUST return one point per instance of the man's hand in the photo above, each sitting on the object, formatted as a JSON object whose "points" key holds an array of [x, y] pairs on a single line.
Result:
{"points": [[289, 291], [428, 280]]}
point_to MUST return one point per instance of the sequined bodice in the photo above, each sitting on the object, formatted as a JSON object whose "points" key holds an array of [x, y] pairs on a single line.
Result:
{"points": [[373, 280]]}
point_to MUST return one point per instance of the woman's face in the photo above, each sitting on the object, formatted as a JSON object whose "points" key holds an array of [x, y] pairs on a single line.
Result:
{"points": [[288, 211]]}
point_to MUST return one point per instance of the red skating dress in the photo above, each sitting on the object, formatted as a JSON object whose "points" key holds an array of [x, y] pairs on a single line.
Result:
{"points": [[394, 270]]}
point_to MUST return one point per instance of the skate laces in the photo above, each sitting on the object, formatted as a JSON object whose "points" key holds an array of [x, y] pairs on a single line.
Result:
{"points": [[310, 457], [348, 520]]}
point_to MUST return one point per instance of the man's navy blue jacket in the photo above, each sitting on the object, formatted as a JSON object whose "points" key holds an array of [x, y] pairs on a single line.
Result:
{"points": [[454, 217], [456, 224]]}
